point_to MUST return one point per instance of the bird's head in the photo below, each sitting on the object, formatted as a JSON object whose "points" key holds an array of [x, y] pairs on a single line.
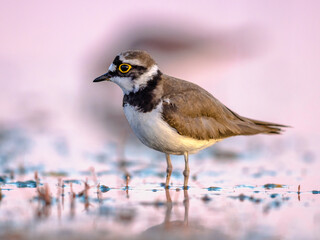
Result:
{"points": [[131, 70]]}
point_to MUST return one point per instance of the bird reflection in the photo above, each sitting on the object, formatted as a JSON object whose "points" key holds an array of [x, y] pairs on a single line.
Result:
{"points": [[176, 224], [168, 226]]}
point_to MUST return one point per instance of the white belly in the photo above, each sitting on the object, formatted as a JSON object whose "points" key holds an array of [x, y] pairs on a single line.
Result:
{"points": [[154, 132]]}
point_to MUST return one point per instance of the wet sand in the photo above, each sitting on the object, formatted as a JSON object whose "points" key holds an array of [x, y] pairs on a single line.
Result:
{"points": [[252, 188]]}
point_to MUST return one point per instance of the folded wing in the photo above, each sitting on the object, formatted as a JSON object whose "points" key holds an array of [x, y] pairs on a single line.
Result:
{"points": [[195, 113]]}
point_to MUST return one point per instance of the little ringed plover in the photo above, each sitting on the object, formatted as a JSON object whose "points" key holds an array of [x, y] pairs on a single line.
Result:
{"points": [[174, 116]]}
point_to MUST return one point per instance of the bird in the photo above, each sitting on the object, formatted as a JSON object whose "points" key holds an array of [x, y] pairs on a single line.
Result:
{"points": [[174, 116]]}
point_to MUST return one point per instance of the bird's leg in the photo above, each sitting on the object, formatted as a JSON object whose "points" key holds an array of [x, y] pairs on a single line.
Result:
{"points": [[186, 171], [169, 170]]}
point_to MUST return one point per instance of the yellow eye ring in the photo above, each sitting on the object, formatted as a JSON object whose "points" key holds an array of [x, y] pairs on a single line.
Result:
{"points": [[124, 68]]}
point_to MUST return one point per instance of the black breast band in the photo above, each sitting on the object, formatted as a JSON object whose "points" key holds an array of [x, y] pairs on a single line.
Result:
{"points": [[144, 99]]}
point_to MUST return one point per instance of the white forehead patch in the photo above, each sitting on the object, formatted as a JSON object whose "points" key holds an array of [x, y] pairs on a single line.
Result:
{"points": [[112, 67]]}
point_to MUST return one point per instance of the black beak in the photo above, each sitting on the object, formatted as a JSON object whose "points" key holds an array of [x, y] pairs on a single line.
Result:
{"points": [[104, 77]]}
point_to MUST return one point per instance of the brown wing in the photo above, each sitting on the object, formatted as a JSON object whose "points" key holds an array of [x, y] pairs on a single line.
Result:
{"points": [[194, 112]]}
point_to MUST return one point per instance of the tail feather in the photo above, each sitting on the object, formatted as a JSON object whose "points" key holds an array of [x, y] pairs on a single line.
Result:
{"points": [[267, 127], [250, 126]]}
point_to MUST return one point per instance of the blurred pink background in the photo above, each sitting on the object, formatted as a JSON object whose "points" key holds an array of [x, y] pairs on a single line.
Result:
{"points": [[260, 58]]}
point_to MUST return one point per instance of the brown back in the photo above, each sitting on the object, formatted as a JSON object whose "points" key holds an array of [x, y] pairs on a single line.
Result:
{"points": [[195, 113]]}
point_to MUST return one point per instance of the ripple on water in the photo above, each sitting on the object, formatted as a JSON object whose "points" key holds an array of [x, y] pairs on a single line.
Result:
{"points": [[274, 195], [104, 188], [273, 185], [25, 184], [214, 188], [3, 179], [72, 181], [242, 197], [245, 186]]}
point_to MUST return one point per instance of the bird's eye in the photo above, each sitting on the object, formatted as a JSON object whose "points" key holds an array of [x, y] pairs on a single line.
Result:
{"points": [[124, 68]]}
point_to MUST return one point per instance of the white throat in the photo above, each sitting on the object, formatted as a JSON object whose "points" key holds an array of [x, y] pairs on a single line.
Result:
{"points": [[125, 83]]}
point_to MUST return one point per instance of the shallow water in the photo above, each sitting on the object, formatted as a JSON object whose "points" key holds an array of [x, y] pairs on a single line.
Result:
{"points": [[245, 188]]}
